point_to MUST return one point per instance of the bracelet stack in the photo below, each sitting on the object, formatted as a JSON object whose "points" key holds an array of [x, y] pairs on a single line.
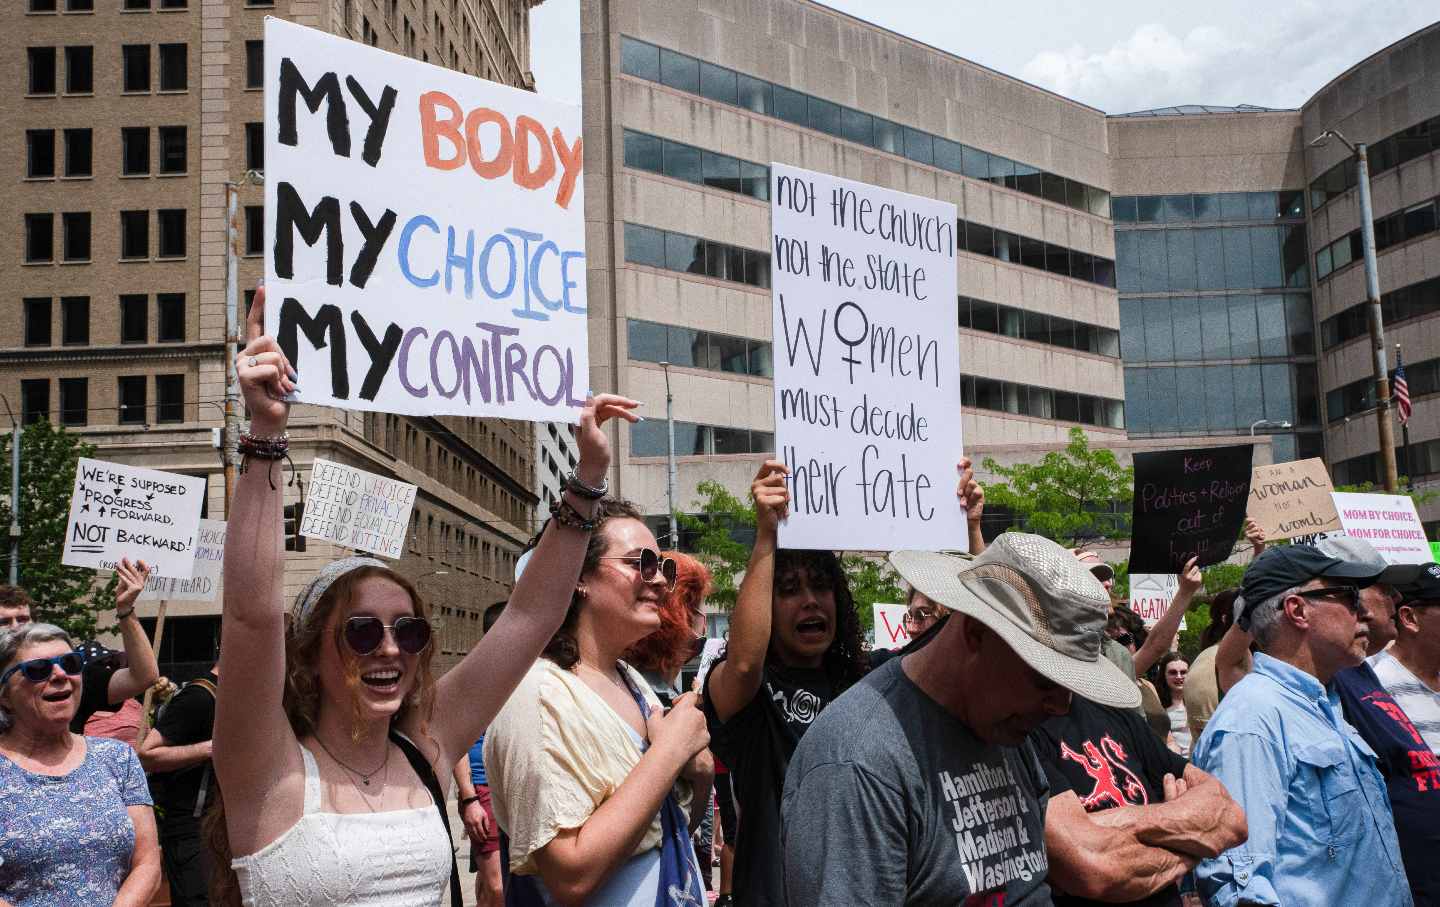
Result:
{"points": [[566, 515], [276, 448], [578, 488]]}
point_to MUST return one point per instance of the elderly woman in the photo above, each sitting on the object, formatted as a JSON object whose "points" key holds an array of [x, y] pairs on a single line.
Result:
{"points": [[76, 825]]}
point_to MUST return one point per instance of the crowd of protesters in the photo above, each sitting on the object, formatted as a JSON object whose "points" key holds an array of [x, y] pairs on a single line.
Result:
{"points": [[1033, 743]]}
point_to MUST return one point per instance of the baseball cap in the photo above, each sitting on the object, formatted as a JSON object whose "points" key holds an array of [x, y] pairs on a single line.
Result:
{"points": [[1037, 597], [1286, 566], [1424, 587], [1362, 552], [1092, 562]]}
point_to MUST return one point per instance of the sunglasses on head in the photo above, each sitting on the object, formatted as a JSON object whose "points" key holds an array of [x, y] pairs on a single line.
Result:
{"points": [[649, 562], [365, 634], [38, 670]]}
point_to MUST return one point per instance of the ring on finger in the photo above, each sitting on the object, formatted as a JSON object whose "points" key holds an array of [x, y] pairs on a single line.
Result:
{"points": [[254, 362]]}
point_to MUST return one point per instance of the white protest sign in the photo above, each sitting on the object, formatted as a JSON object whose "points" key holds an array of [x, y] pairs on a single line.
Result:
{"points": [[128, 511], [708, 655], [1388, 522], [357, 509], [425, 234], [1151, 595], [204, 581], [890, 632], [867, 364]]}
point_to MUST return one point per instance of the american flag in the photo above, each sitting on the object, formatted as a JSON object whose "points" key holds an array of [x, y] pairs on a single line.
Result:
{"points": [[1401, 390]]}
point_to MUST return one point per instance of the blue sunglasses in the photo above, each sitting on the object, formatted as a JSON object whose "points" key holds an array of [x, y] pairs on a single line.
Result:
{"points": [[38, 670]]}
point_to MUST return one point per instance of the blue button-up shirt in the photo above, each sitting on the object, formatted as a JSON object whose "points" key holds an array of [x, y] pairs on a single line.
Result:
{"points": [[1321, 831]]}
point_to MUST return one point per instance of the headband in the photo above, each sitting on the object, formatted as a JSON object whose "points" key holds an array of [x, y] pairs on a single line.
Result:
{"points": [[305, 603]]}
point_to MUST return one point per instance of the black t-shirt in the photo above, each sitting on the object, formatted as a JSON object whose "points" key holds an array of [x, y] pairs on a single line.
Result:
{"points": [[1412, 775], [187, 718], [95, 690], [1109, 758], [756, 745]]}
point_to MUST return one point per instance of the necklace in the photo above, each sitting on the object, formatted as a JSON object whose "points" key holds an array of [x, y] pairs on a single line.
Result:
{"points": [[363, 776]]}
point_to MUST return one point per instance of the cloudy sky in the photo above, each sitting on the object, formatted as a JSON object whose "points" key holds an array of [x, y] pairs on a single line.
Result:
{"points": [[1137, 55]]}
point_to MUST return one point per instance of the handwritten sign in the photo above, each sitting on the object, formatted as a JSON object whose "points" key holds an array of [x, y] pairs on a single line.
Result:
{"points": [[1151, 595], [1388, 522], [425, 234], [890, 632], [867, 364], [128, 511], [1289, 500], [708, 656], [1188, 503], [203, 585], [357, 509]]}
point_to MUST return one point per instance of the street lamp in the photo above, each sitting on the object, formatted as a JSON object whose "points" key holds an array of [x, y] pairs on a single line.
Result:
{"points": [[1372, 307], [670, 458], [1267, 423]]}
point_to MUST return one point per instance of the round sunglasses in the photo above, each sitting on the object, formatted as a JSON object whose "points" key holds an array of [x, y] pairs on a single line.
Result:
{"points": [[649, 562], [38, 670], [365, 634]]}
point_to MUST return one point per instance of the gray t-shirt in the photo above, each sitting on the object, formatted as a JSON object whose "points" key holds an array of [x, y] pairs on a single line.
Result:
{"points": [[890, 800]]}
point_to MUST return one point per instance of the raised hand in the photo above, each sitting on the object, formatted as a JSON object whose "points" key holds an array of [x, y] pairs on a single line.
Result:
{"points": [[970, 492], [771, 495], [593, 442], [132, 583], [1190, 578], [265, 374], [1255, 536]]}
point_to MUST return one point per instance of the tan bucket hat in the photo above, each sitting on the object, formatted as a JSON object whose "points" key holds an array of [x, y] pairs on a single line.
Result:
{"points": [[1043, 602]]}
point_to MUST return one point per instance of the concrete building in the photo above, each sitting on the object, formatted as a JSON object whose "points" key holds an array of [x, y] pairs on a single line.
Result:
{"points": [[556, 453], [128, 119]]}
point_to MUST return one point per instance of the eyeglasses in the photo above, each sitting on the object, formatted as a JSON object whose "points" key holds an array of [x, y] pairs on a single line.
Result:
{"points": [[38, 670], [1351, 601], [918, 615], [649, 562], [365, 634]]}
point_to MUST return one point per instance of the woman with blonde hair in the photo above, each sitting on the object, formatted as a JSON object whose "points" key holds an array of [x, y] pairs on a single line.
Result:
{"points": [[333, 741]]}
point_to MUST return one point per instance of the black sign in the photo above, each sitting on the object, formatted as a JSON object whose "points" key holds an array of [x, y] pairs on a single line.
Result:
{"points": [[1188, 503]]}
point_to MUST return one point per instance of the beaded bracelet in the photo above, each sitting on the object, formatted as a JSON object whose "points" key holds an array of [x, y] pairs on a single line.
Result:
{"points": [[566, 515], [573, 485], [264, 448]]}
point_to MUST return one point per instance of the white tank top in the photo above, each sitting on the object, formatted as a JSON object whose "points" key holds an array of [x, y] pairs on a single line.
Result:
{"points": [[399, 858]]}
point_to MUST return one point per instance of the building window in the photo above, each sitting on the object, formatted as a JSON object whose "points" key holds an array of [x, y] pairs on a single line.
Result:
{"points": [[695, 255], [39, 237], [136, 4], [254, 146], [254, 230], [135, 67], [254, 64], [653, 342], [34, 400], [650, 439], [171, 240], [170, 317], [74, 401], [37, 321], [42, 6], [78, 152], [75, 320], [42, 70], [174, 72], [39, 153], [172, 149], [134, 319], [135, 234], [79, 70], [75, 225], [174, 4], [132, 399], [169, 398], [79, 6], [135, 151]]}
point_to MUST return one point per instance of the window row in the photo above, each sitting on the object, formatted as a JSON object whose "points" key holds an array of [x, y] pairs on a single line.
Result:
{"points": [[1212, 258], [134, 319], [1223, 399], [1390, 230], [1418, 460], [652, 342], [651, 439], [132, 396], [695, 165], [1386, 154], [1359, 396], [1195, 329], [1415, 301], [74, 237], [993, 318], [1041, 402], [88, 6], [1209, 207], [135, 69], [727, 86], [983, 239], [170, 239], [694, 255], [170, 152]]}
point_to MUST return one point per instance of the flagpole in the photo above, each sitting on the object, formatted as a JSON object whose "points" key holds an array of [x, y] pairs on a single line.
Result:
{"points": [[1405, 433]]}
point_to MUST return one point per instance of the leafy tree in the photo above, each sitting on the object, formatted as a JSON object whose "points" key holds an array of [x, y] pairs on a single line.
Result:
{"points": [[1420, 496], [63, 595], [871, 581], [715, 544], [1068, 494]]}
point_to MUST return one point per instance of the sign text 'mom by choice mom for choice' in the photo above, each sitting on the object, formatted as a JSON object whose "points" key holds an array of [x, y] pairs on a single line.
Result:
{"points": [[425, 234], [867, 364]]}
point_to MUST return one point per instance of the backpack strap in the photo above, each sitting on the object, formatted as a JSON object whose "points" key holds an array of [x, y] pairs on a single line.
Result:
{"points": [[422, 767]]}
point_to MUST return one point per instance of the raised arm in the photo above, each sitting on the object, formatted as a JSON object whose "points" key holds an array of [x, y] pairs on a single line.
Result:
{"points": [[158, 755], [1232, 658], [141, 669], [972, 496], [1157, 643], [735, 681]]}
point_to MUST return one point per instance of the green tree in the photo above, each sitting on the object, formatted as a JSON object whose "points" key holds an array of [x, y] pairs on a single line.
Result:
{"points": [[720, 514], [66, 596], [1069, 494], [1421, 496], [871, 581]]}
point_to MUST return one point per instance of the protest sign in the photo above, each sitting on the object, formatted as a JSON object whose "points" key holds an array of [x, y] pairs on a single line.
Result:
{"points": [[708, 656], [867, 364], [1151, 595], [1388, 522], [1288, 500], [425, 234], [204, 581], [1188, 503], [131, 512], [890, 632], [357, 509]]}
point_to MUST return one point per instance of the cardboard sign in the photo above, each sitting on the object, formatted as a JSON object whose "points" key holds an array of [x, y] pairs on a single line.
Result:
{"points": [[1151, 595], [1388, 522], [890, 632], [867, 364], [357, 509], [425, 234], [204, 582], [1292, 499], [128, 511], [1188, 503]]}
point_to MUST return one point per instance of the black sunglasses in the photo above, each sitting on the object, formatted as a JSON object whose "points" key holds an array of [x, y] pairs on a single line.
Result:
{"points": [[649, 562], [38, 670], [916, 615], [1351, 600], [365, 634]]}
